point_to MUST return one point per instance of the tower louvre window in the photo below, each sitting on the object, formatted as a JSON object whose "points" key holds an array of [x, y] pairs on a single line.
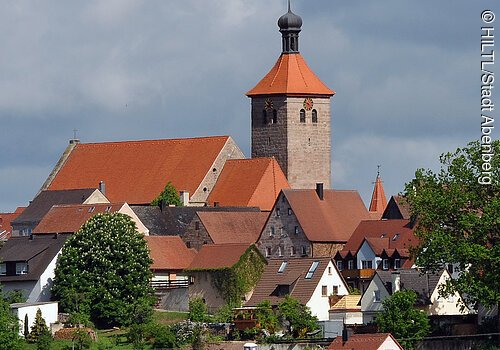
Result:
{"points": [[302, 116], [314, 116], [275, 116], [264, 117]]}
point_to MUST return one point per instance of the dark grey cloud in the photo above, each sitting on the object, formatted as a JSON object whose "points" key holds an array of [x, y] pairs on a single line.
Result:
{"points": [[406, 75]]}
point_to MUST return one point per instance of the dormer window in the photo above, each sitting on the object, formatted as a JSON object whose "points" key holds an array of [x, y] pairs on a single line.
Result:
{"points": [[397, 264], [385, 264], [3, 269], [21, 268]]}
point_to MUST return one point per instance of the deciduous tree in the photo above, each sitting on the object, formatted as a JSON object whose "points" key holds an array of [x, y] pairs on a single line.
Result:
{"points": [[169, 195]]}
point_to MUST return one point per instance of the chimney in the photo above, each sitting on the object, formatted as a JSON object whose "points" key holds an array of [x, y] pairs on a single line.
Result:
{"points": [[345, 335], [102, 187], [319, 190], [31, 236], [396, 282], [184, 197]]}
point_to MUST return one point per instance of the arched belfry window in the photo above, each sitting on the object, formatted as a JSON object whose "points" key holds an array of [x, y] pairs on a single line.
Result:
{"points": [[314, 116], [275, 116], [264, 117], [302, 116]]}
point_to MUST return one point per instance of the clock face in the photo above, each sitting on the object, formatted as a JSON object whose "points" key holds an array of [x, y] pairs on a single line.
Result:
{"points": [[269, 104], [308, 104]]}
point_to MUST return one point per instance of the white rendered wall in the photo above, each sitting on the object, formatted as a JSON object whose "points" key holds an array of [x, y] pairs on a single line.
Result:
{"points": [[49, 311]]}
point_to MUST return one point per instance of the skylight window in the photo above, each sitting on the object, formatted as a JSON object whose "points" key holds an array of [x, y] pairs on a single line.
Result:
{"points": [[382, 235], [282, 267], [312, 269], [395, 236], [91, 209]]}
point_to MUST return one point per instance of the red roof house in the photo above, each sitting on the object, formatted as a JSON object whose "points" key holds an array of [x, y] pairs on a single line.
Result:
{"points": [[377, 341], [5, 220]]}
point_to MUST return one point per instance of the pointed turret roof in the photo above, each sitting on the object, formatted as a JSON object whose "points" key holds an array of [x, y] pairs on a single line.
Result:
{"points": [[379, 201]]}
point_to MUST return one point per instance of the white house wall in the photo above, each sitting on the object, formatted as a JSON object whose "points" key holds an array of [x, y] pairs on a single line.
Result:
{"points": [[366, 253], [389, 344], [370, 307], [125, 209], [49, 313], [319, 304], [449, 305], [96, 198]]}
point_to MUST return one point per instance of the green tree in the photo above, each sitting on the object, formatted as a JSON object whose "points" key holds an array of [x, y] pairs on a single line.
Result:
{"points": [[169, 195], [297, 316], [400, 318], [9, 328], [458, 221], [266, 317], [38, 328], [197, 310], [107, 265]]}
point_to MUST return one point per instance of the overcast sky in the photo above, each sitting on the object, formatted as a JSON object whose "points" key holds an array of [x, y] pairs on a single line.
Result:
{"points": [[406, 75]]}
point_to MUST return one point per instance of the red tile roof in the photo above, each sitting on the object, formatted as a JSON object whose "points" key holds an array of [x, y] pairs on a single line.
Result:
{"points": [[379, 201], [216, 256], [69, 218], [6, 219], [382, 233], [233, 227], [169, 253], [249, 183], [291, 76], [137, 171], [332, 219], [362, 342]]}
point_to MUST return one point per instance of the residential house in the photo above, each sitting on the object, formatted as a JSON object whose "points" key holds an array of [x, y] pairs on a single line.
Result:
{"points": [[170, 258], [347, 310], [5, 223], [28, 264], [252, 182], [310, 280], [216, 227], [386, 283], [376, 245], [311, 223], [25, 223], [377, 341], [69, 218], [136, 172], [204, 270]]}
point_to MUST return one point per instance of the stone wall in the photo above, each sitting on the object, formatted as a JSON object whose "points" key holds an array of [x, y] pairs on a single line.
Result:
{"points": [[196, 235], [326, 249]]}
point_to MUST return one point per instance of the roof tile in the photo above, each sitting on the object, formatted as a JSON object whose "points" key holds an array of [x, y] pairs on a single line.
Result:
{"points": [[217, 256], [169, 253]]}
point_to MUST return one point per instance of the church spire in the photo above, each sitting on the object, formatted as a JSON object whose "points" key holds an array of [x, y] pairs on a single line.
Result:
{"points": [[379, 201], [290, 25]]}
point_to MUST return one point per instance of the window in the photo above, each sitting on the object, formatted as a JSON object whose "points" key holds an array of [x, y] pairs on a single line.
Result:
{"points": [[21, 268], [302, 116], [350, 265], [324, 291], [296, 230], [268, 251], [292, 251], [376, 296], [395, 236], [278, 212], [3, 269], [188, 244], [91, 209], [329, 270], [289, 211], [314, 116], [335, 290], [340, 265], [366, 264], [264, 117], [108, 209], [275, 116], [280, 251], [271, 232], [197, 225], [312, 269], [304, 251], [282, 267], [385, 264], [397, 263]]}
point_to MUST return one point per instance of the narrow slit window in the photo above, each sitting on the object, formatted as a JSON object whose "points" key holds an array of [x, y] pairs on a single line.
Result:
{"points": [[314, 116], [302, 116]]}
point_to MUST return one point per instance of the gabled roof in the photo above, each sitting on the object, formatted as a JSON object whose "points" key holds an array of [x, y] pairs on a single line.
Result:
{"points": [[411, 279], [362, 342], [293, 276], [177, 219], [169, 253], [5, 222], [137, 171], [397, 208], [233, 227], [46, 199], [332, 219], [37, 252], [397, 233], [290, 76], [69, 218], [378, 201], [152, 217], [218, 256], [249, 183]]}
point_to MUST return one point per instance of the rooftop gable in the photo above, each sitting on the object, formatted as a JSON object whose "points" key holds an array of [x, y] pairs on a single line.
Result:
{"points": [[233, 227], [332, 219], [397, 208], [169, 253], [137, 171], [252, 182], [290, 76]]}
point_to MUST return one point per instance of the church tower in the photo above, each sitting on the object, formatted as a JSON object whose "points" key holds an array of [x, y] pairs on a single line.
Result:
{"points": [[291, 114]]}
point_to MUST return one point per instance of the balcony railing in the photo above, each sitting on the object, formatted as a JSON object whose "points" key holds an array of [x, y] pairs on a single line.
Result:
{"points": [[165, 285], [358, 273]]}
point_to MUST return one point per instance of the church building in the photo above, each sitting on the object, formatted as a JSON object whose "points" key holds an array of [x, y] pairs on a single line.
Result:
{"points": [[291, 114]]}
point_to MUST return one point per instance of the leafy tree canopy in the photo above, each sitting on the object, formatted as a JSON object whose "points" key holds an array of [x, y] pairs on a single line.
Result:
{"points": [[297, 316], [9, 328], [169, 195], [103, 271], [400, 318], [458, 221]]}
